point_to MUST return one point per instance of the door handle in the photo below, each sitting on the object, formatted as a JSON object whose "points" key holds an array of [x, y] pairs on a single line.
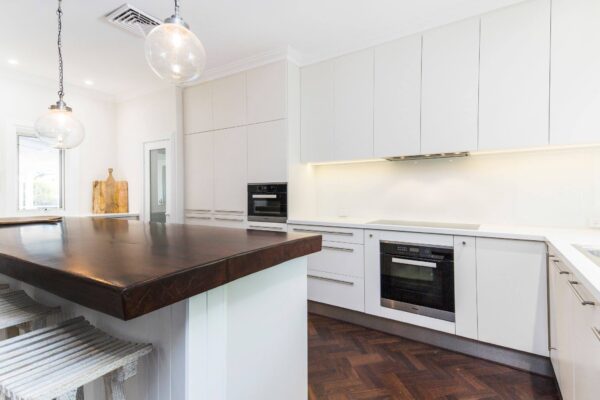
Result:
{"points": [[414, 262]]}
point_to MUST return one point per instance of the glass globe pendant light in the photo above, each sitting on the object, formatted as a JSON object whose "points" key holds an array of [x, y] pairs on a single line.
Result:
{"points": [[58, 127], [174, 52]]}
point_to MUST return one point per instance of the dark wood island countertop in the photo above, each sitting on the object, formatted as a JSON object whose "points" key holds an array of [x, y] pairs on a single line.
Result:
{"points": [[129, 268]]}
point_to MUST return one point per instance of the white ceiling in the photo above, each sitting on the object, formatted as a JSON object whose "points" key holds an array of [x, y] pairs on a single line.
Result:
{"points": [[231, 30]]}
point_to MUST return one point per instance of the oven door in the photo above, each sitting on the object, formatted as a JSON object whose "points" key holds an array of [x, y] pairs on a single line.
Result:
{"points": [[420, 286], [267, 207]]}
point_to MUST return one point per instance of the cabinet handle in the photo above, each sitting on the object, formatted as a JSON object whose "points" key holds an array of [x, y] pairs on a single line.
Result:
{"points": [[338, 249], [560, 271], [196, 210], [596, 332], [229, 219], [229, 211], [266, 228], [579, 296], [196, 217], [321, 278], [324, 232]]}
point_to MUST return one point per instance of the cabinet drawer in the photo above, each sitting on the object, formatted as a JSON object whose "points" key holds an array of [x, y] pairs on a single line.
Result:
{"points": [[332, 234], [229, 221], [192, 219], [339, 258], [336, 290]]}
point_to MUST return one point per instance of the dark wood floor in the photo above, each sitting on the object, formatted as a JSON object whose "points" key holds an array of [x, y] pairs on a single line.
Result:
{"points": [[351, 362]]}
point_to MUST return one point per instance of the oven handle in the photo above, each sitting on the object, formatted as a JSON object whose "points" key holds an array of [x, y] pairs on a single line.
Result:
{"points": [[264, 196], [414, 262]]}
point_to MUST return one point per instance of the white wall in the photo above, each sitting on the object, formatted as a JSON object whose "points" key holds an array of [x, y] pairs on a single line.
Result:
{"points": [[552, 187], [147, 118], [22, 100]]}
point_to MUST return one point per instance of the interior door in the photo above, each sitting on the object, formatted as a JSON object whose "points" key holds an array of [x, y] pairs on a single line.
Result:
{"points": [[157, 181]]}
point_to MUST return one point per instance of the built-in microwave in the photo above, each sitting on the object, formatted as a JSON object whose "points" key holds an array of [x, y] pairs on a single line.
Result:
{"points": [[267, 202]]}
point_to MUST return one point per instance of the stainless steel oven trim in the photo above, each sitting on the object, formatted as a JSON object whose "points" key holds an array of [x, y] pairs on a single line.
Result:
{"points": [[423, 244], [264, 196], [426, 264], [420, 310]]}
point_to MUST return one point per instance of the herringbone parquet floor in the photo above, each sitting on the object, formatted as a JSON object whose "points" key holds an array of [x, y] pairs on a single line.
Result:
{"points": [[348, 362]]}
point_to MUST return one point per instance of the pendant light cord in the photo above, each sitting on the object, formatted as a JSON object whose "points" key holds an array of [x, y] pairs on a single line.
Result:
{"points": [[177, 8], [61, 91]]}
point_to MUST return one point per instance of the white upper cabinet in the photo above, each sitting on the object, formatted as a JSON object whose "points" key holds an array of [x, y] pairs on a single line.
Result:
{"points": [[450, 88], [575, 90], [229, 101], [267, 152], [266, 92], [199, 159], [317, 112], [514, 77], [353, 105], [230, 177], [512, 292], [197, 109], [397, 98]]}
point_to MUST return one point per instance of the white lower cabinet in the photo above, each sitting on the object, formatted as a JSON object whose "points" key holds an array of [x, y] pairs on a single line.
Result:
{"points": [[229, 221], [574, 334], [339, 258], [465, 286], [336, 290], [512, 300]]}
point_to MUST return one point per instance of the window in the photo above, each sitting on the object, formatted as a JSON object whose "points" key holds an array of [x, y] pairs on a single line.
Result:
{"points": [[41, 174]]}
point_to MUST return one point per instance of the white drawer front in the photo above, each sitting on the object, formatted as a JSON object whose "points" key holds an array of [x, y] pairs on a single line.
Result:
{"points": [[339, 258], [332, 234], [229, 221], [336, 290], [198, 219]]}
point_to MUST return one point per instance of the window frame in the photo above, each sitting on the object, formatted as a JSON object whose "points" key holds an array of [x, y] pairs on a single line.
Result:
{"points": [[62, 191]]}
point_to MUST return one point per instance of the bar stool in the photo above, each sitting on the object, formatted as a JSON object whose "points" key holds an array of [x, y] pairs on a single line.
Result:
{"points": [[19, 312], [55, 362]]}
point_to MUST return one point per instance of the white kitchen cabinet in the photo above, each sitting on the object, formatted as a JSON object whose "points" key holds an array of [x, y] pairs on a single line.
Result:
{"points": [[339, 258], [450, 88], [515, 77], [197, 109], [586, 340], [229, 101], [353, 106], [230, 163], [332, 233], [229, 221], [337, 290], [397, 98], [266, 88], [317, 115], [465, 286], [575, 89], [267, 152], [512, 302], [199, 163], [205, 219]]}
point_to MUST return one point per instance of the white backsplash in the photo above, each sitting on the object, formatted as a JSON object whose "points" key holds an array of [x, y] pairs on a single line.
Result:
{"points": [[559, 187]]}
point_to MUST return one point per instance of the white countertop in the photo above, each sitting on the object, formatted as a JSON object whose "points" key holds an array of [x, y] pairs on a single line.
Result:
{"points": [[561, 239]]}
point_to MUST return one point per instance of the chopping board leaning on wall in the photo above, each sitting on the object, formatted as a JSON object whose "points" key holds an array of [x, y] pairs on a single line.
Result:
{"points": [[110, 196]]}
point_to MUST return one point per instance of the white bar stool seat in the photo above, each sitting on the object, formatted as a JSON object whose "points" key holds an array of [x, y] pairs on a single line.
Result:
{"points": [[17, 309], [56, 362]]}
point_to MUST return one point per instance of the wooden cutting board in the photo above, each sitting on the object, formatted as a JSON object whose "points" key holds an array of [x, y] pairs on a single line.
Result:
{"points": [[110, 196], [30, 220]]}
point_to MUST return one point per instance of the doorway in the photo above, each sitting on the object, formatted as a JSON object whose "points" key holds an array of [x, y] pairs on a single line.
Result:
{"points": [[157, 170]]}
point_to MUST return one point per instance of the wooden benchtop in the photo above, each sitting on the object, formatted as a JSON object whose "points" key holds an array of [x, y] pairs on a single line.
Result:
{"points": [[129, 268]]}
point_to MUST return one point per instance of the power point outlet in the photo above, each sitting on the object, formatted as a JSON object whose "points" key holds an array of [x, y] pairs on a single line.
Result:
{"points": [[594, 223]]}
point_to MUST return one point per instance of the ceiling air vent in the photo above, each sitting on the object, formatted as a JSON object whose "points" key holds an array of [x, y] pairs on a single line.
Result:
{"points": [[133, 20]]}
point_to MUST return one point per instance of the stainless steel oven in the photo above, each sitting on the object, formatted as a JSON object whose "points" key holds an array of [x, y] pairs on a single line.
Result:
{"points": [[418, 279], [267, 202]]}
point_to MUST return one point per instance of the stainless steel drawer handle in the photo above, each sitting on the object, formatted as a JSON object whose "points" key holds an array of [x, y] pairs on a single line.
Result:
{"points": [[229, 211], [338, 249], [196, 210], [266, 228], [196, 217], [414, 262], [596, 332], [583, 301], [324, 232], [560, 271], [229, 219], [321, 278]]}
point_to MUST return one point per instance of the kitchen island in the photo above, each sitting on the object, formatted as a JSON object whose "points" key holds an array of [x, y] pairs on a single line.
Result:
{"points": [[224, 308]]}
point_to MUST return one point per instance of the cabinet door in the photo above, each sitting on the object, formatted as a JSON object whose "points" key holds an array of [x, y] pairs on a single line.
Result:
{"points": [[562, 346], [512, 292], [465, 286], [230, 171], [450, 88], [197, 109], [575, 89], [317, 112], [397, 102], [266, 92], [229, 101], [515, 77], [199, 158], [353, 105], [267, 152]]}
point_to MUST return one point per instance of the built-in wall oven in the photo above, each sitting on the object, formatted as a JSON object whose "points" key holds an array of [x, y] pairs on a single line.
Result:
{"points": [[418, 279], [267, 202]]}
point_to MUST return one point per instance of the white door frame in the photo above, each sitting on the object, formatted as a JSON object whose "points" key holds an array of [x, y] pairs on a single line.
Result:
{"points": [[147, 147]]}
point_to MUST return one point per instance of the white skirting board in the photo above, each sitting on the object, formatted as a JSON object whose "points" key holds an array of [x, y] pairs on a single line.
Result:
{"points": [[246, 340]]}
